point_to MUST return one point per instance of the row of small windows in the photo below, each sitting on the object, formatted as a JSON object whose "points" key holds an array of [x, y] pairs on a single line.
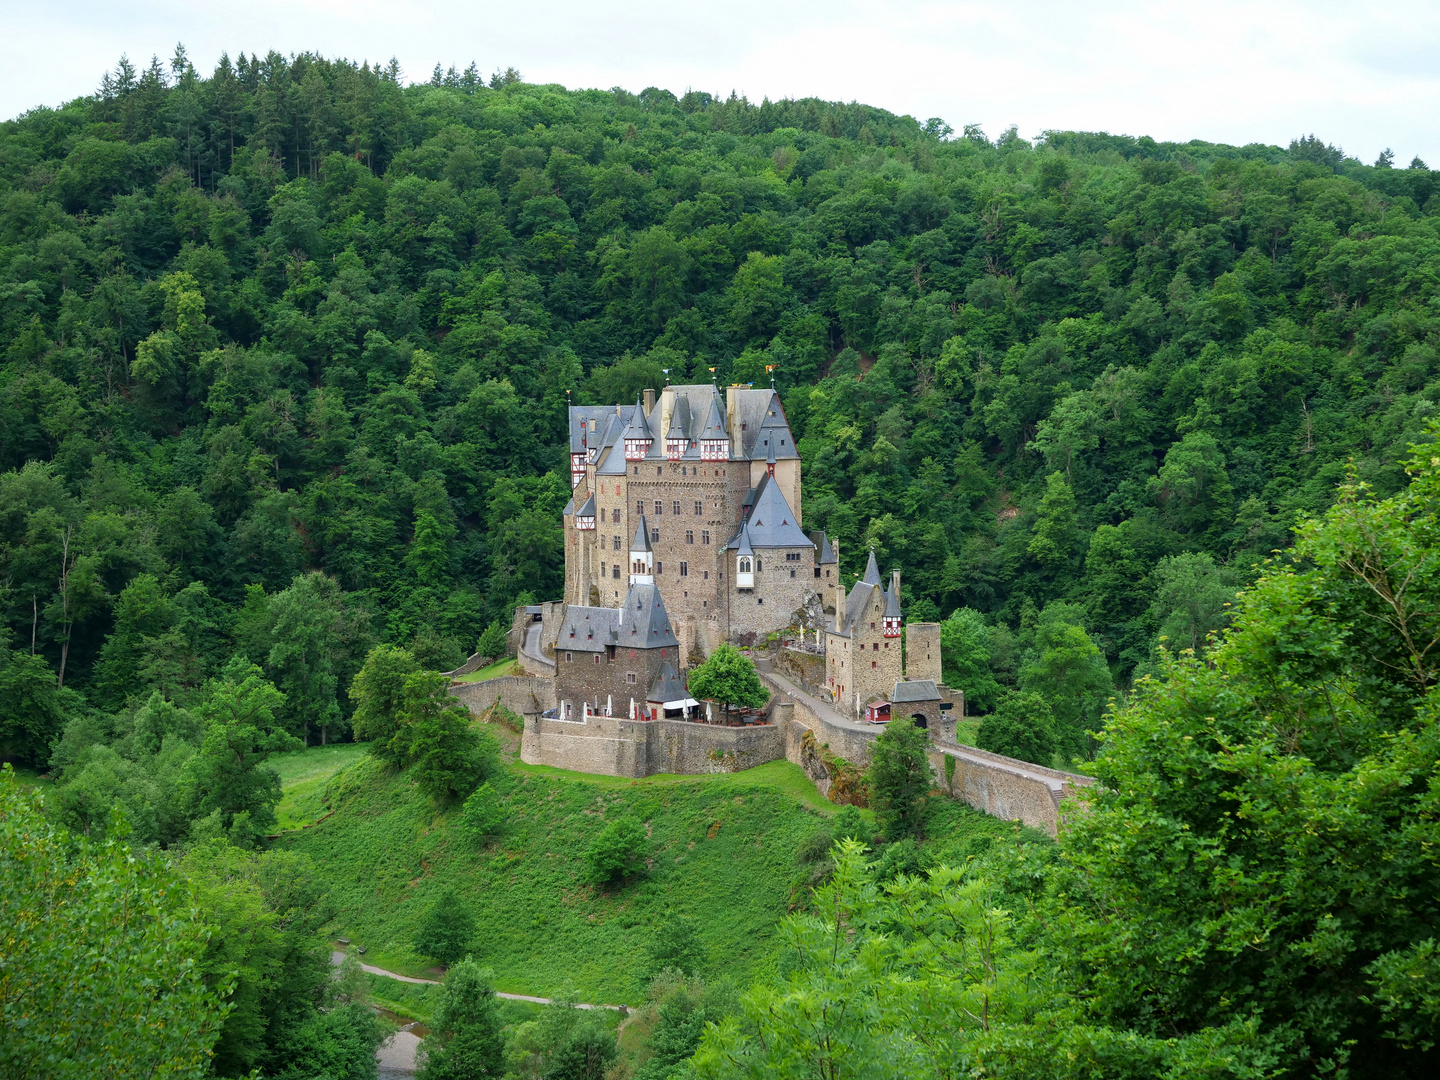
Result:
{"points": [[660, 471], [660, 508]]}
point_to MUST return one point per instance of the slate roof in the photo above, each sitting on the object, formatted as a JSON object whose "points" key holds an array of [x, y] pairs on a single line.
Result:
{"points": [[611, 461], [593, 628], [641, 540], [680, 419], [667, 686], [580, 418], [588, 510], [915, 690], [762, 426], [826, 553], [644, 623], [769, 521], [892, 603], [639, 425], [714, 426], [872, 570]]}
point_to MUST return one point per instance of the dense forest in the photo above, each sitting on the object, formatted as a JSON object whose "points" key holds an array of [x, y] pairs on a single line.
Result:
{"points": [[299, 316], [287, 350]]}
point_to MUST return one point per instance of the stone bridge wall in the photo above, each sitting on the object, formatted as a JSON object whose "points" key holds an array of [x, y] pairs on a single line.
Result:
{"points": [[526, 695]]}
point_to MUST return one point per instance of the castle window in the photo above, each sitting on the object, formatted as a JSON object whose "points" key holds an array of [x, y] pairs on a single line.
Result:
{"points": [[875, 647], [597, 659], [654, 536], [659, 470], [640, 506], [757, 564], [699, 507], [704, 603], [704, 536], [675, 507], [630, 677], [792, 556], [689, 536], [761, 600], [684, 569], [817, 571], [872, 663], [615, 571], [570, 657], [659, 507], [659, 567], [792, 573], [614, 543], [602, 569], [616, 513], [707, 575], [744, 564]]}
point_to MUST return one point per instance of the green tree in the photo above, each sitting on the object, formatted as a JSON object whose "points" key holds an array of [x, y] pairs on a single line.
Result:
{"points": [[675, 943], [446, 930], [228, 775], [465, 1040], [32, 710], [102, 947], [1066, 668], [450, 758], [616, 851], [965, 656], [1022, 727], [1192, 599], [899, 779], [729, 677], [379, 694], [1055, 538], [494, 642], [484, 816]]}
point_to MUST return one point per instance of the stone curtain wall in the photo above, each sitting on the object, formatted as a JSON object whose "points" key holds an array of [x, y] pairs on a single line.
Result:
{"points": [[806, 668], [922, 651], [526, 695], [1008, 789], [616, 746]]}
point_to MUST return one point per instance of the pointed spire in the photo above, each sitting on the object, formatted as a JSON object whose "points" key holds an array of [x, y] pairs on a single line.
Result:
{"points": [[872, 571], [642, 538]]}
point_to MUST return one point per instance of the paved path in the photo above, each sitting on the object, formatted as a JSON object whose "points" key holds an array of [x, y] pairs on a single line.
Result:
{"points": [[336, 957], [819, 706], [530, 649]]}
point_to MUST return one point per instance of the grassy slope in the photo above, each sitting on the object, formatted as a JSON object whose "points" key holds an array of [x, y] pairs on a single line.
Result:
{"points": [[494, 671], [303, 776], [723, 852]]}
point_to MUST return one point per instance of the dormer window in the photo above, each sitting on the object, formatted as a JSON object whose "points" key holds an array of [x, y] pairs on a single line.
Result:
{"points": [[715, 449], [892, 626], [675, 448], [636, 449]]}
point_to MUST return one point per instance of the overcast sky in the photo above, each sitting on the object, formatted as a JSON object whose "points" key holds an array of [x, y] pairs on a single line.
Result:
{"points": [[1364, 76]]}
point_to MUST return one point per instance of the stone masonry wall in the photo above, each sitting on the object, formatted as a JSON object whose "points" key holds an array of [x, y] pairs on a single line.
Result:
{"points": [[618, 746], [806, 668], [523, 694], [922, 651], [1006, 788]]}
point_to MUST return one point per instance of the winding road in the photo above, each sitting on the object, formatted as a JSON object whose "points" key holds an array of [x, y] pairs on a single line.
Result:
{"points": [[396, 1056]]}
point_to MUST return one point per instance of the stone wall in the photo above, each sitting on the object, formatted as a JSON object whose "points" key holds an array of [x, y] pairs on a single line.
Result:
{"points": [[922, 651], [618, 746], [524, 694], [1006, 788], [806, 668]]}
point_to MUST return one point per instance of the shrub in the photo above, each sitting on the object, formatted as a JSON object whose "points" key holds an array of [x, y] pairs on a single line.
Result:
{"points": [[494, 641], [483, 816], [1023, 727], [614, 854], [899, 778], [465, 1039], [446, 929], [676, 944]]}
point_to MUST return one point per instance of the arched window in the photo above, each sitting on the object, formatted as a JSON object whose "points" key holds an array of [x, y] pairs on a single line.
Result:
{"points": [[744, 564]]}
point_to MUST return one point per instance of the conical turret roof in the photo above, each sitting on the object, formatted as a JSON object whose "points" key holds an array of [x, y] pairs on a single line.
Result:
{"points": [[872, 571], [641, 542], [639, 426]]}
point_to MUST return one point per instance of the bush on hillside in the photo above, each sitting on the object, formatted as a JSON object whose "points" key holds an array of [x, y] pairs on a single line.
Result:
{"points": [[378, 693], [494, 642], [616, 852], [1022, 727], [676, 944], [483, 817], [450, 755], [899, 779], [446, 929], [466, 1040]]}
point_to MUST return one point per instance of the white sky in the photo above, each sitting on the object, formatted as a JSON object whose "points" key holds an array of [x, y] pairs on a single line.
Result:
{"points": [[1364, 76]]}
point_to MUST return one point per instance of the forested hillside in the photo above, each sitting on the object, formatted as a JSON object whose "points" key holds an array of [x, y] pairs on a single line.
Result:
{"points": [[298, 316]]}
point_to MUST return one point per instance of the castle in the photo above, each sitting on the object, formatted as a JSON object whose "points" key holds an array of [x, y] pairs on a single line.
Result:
{"points": [[684, 532]]}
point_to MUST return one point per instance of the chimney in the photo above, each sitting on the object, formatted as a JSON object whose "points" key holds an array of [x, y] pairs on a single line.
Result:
{"points": [[732, 396], [895, 585], [650, 403], [839, 588]]}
